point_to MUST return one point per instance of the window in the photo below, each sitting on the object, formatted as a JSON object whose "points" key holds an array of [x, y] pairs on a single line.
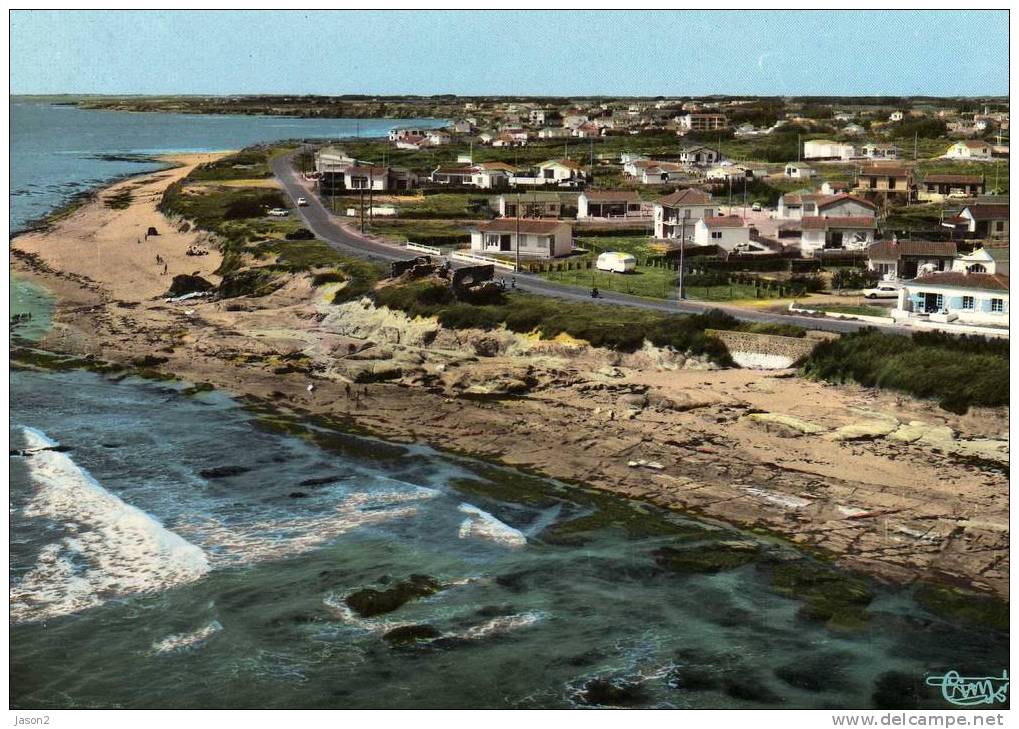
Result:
{"points": [[999, 225], [708, 212], [968, 302], [998, 305], [686, 213], [891, 183], [716, 234]]}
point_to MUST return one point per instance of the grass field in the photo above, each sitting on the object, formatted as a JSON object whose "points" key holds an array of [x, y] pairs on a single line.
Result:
{"points": [[653, 283]]}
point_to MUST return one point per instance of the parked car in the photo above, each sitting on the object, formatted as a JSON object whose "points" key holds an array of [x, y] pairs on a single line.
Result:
{"points": [[279, 212], [882, 291], [302, 202], [756, 207]]}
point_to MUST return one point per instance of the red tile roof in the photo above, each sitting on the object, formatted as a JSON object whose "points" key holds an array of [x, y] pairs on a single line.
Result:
{"points": [[724, 221], [886, 250], [524, 225], [843, 196], [958, 279], [988, 211], [686, 196], [884, 171], [613, 195], [955, 179]]}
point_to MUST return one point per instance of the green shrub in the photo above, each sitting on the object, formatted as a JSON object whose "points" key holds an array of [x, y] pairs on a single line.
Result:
{"points": [[958, 372]]}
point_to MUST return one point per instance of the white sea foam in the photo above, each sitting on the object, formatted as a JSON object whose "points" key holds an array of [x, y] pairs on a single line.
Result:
{"points": [[116, 549], [280, 538], [482, 525], [187, 641], [501, 624]]}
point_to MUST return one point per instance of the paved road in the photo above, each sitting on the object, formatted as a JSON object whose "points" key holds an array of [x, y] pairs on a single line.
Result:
{"points": [[324, 225]]}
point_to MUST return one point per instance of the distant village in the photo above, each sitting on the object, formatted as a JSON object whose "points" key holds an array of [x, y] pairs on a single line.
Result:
{"points": [[911, 200]]}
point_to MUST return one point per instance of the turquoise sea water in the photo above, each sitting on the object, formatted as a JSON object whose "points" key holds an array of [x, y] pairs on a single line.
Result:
{"points": [[169, 549]]}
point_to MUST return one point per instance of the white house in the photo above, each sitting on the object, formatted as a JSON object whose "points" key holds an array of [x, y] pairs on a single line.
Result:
{"points": [[968, 298], [332, 159], [492, 175], [799, 171], [825, 149], [904, 259], [439, 137], [989, 259], [401, 132], [553, 133], [662, 173], [846, 205], [896, 116], [461, 126], [726, 232], [849, 232], [880, 151], [536, 238], [676, 214], [699, 156], [969, 149], [366, 178], [612, 204]]}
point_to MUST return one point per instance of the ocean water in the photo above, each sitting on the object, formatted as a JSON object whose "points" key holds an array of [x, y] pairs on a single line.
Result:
{"points": [[182, 549], [58, 152]]}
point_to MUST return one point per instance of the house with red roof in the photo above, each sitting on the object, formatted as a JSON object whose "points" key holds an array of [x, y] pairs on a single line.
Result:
{"points": [[954, 296], [533, 237], [837, 232], [728, 232], [677, 213]]}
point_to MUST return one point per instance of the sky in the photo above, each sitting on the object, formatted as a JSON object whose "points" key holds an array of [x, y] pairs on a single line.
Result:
{"points": [[529, 52]]}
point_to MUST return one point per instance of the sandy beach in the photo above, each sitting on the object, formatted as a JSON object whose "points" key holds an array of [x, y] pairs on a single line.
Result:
{"points": [[885, 484]]}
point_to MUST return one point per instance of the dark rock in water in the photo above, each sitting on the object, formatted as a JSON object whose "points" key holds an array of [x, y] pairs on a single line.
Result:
{"points": [[369, 602], [319, 481], [604, 692], [714, 557], [411, 634], [514, 581], [747, 688], [895, 690], [223, 471], [495, 611], [695, 678], [185, 284], [297, 494], [817, 672], [836, 598]]}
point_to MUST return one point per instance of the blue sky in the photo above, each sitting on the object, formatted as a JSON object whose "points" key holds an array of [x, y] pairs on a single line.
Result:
{"points": [[524, 52]]}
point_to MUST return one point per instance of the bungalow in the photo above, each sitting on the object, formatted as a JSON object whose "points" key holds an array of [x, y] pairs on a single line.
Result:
{"points": [[676, 213], [401, 132], [540, 238], [989, 259], [825, 149], [461, 126], [905, 258], [536, 204], [834, 188], [699, 156], [553, 133], [896, 116], [851, 232], [366, 178], [969, 149], [884, 179], [505, 139], [452, 175], [880, 151], [988, 221], [612, 204], [492, 175], [936, 188], [588, 131], [969, 298], [661, 173], [439, 137], [413, 142], [799, 171], [727, 232], [561, 172]]}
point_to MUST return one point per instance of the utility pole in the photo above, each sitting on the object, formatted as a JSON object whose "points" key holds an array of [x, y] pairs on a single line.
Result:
{"points": [[797, 147], [371, 193], [682, 251], [362, 211], [516, 265]]}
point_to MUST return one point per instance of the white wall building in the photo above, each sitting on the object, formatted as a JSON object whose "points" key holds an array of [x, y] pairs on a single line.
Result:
{"points": [[967, 298], [726, 232], [825, 149], [675, 215], [536, 238], [969, 149]]}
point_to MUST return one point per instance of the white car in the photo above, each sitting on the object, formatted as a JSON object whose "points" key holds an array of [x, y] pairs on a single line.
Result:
{"points": [[302, 202], [882, 291], [616, 262], [756, 207], [279, 212]]}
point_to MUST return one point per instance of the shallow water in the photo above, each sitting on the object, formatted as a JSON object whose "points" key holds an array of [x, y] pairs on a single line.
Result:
{"points": [[178, 554]]}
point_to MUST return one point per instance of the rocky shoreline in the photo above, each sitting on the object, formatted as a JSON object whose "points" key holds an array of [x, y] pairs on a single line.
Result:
{"points": [[885, 485]]}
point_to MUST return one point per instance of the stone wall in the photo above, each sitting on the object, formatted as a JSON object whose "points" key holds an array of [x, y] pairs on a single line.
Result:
{"points": [[764, 351]]}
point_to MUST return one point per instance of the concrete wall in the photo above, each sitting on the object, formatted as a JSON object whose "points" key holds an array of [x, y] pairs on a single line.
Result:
{"points": [[764, 351]]}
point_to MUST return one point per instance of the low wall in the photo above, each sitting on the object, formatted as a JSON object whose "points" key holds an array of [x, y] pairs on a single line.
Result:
{"points": [[763, 351]]}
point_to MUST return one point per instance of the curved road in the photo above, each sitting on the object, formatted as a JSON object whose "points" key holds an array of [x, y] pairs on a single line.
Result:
{"points": [[324, 225]]}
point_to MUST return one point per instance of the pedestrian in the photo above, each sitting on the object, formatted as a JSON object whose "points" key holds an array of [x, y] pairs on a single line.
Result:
{"points": [[347, 388], [166, 268]]}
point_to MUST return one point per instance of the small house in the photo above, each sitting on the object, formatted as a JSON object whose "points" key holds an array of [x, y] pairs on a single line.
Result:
{"points": [[799, 171], [727, 232], [849, 232], [936, 188], [970, 149], [535, 238], [947, 296], [612, 204], [676, 214], [905, 258]]}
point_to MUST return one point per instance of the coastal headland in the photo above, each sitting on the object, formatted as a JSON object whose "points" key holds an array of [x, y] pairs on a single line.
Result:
{"points": [[881, 483]]}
